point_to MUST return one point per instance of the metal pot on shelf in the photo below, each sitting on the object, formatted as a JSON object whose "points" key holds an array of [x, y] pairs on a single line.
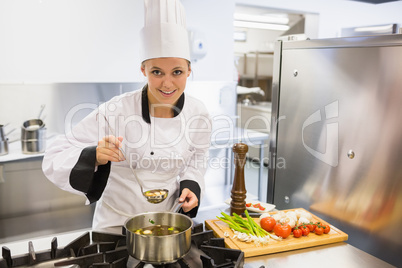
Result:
{"points": [[4, 140], [33, 136]]}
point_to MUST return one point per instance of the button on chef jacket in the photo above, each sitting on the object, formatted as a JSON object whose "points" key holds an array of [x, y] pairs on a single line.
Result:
{"points": [[167, 153]]}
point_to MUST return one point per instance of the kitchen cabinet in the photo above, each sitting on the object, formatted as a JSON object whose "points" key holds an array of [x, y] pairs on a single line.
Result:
{"points": [[30, 205], [24, 189]]}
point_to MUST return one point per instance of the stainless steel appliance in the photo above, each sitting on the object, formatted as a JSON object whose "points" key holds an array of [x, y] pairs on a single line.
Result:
{"points": [[336, 143]]}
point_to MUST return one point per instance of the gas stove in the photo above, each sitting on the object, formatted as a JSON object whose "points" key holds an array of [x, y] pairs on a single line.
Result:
{"points": [[97, 249]]}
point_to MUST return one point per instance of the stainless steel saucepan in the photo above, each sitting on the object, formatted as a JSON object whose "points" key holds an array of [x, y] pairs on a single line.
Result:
{"points": [[159, 249], [33, 135]]}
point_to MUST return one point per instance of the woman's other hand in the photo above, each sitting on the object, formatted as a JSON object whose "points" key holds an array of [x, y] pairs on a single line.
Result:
{"points": [[108, 150], [189, 200]]}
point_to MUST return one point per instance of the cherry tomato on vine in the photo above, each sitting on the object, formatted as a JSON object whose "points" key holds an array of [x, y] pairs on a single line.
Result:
{"points": [[305, 230], [297, 233], [319, 230], [326, 228], [311, 226]]}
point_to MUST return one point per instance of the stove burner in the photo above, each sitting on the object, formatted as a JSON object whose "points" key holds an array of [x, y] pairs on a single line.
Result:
{"points": [[180, 263], [110, 250]]}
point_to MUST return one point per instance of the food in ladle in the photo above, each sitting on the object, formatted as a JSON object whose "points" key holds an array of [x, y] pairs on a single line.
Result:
{"points": [[156, 196], [152, 193], [158, 230]]}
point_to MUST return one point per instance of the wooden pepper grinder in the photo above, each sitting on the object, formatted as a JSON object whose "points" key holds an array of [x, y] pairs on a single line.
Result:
{"points": [[238, 203]]}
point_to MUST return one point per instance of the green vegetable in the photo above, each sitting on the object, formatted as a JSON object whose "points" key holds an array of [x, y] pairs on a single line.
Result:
{"points": [[151, 221], [258, 229], [248, 225]]}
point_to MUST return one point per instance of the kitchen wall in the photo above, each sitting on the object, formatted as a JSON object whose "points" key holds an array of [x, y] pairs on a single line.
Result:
{"points": [[69, 41], [214, 19], [97, 40], [337, 14]]}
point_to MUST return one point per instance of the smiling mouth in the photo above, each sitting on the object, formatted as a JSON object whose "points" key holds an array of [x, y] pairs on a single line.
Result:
{"points": [[167, 93]]}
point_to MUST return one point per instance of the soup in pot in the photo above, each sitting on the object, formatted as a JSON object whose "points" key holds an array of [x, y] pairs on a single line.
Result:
{"points": [[157, 230]]}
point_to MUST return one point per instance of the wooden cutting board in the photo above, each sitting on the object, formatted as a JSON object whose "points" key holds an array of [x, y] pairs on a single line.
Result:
{"points": [[289, 243]]}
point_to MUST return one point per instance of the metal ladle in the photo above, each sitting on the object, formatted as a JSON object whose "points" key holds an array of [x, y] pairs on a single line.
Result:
{"points": [[42, 107], [176, 206], [154, 196]]}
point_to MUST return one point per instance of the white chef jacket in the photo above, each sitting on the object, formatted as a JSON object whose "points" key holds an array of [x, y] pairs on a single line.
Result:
{"points": [[166, 153]]}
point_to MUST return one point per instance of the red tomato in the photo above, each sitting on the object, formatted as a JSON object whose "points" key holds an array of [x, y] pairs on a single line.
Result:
{"points": [[257, 205], [297, 233], [326, 228], [282, 230], [248, 205], [261, 207], [267, 223], [319, 230], [311, 226], [305, 230]]}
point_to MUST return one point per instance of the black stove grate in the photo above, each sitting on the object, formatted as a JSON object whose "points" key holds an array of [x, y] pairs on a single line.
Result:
{"points": [[110, 250]]}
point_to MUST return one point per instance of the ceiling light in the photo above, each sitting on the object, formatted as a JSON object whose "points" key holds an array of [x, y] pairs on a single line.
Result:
{"points": [[261, 18], [258, 25]]}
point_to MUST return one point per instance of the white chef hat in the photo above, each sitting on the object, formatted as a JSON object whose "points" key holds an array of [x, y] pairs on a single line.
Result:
{"points": [[164, 33]]}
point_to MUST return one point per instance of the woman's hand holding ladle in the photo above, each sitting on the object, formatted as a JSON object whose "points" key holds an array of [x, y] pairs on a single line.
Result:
{"points": [[189, 200], [108, 150]]}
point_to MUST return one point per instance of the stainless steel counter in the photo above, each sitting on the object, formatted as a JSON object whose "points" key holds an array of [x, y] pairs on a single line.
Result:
{"points": [[332, 255]]}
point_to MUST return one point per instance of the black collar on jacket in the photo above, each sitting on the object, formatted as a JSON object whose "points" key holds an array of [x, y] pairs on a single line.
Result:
{"points": [[145, 106]]}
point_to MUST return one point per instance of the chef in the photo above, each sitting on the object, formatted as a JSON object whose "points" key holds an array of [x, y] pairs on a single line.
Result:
{"points": [[158, 131]]}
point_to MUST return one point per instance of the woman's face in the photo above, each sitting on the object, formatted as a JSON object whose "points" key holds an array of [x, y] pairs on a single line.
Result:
{"points": [[167, 79]]}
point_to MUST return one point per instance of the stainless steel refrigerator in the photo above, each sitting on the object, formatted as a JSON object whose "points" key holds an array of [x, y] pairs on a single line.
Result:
{"points": [[336, 136]]}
